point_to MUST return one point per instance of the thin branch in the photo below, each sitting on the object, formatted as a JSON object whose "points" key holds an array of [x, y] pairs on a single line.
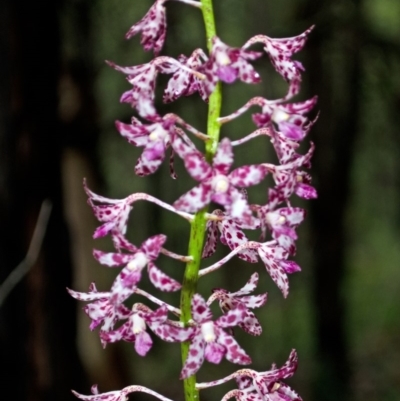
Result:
{"points": [[33, 252], [174, 255], [221, 262]]}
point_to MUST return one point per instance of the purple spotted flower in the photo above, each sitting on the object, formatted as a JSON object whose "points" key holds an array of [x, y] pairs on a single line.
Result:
{"points": [[143, 80], [229, 300], [289, 179], [266, 386], [153, 27], [228, 64], [103, 311], [134, 330], [141, 96], [124, 284], [219, 186], [269, 384], [289, 118], [282, 223], [155, 138], [280, 52], [114, 213], [184, 82], [277, 265], [210, 341], [294, 181], [231, 234]]}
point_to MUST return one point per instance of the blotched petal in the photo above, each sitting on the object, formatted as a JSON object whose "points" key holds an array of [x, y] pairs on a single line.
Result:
{"points": [[152, 246], [211, 239], [160, 280], [195, 356], [197, 167], [214, 352], [200, 311], [143, 343], [234, 352], [195, 199], [274, 269], [112, 259], [153, 27], [246, 176], [233, 317], [223, 158]]}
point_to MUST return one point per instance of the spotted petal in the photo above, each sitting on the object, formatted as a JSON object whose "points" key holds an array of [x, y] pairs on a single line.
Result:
{"points": [[152, 246], [197, 167], [233, 236], [246, 176], [124, 284], [132, 134], [250, 286], [160, 280], [224, 157], [233, 317], [143, 343], [234, 352], [195, 199], [111, 259], [146, 166], [195, 356], [275, 270], [200, 311], [250, 324], [153, 27], [211, 239], [254, 301], [88, 296]]}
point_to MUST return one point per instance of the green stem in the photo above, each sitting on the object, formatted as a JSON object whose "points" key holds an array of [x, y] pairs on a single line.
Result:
{"points": [[198, 225]]}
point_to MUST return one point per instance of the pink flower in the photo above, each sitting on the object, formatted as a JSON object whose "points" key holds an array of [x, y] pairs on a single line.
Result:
{"points": [[185, 83], [125, 283], [156, 138], [229, 300], [210, 341], [289, 179], [153, 27], [228, 64], [280, 52], [282, 223], [114, 213], [103, 311], [266, 386], [143, 79], [134, 330], [230, 234], [219, 186], [277, 265], [289, 117]]}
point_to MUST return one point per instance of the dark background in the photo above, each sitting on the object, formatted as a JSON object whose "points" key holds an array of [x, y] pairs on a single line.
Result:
{"points": [[58, 103]]}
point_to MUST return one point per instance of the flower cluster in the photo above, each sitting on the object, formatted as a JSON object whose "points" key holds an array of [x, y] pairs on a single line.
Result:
{"points": [[286, 125]]}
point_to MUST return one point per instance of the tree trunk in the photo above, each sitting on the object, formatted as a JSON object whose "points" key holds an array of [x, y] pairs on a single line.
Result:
{"points": [[38, 318]]}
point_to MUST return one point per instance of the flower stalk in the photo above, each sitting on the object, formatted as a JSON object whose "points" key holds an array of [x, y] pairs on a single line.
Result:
{"points": [[198, 225]]}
